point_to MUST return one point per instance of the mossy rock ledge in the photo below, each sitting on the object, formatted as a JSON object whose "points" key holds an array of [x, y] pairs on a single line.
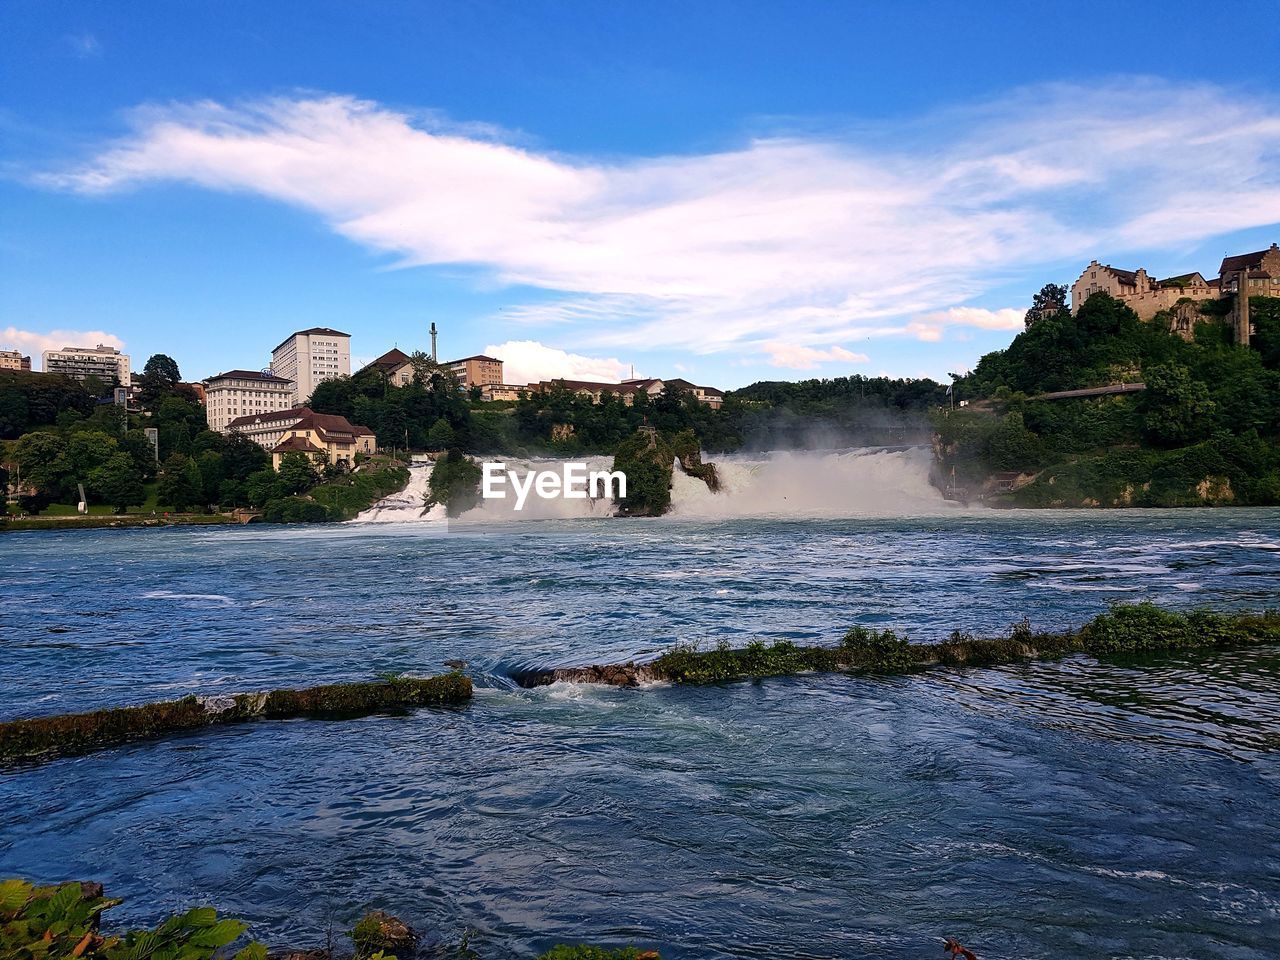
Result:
{"points": [[1133, 629], [44, 738]]}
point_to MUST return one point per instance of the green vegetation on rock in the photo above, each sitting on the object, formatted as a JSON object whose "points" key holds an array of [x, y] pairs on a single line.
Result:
{"points": [[1204, 431], [43, 738]]}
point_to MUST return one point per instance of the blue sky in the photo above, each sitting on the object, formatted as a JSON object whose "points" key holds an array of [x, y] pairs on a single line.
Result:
{"points": [[724, 191]]}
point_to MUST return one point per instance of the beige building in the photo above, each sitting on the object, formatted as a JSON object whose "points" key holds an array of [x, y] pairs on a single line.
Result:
{"points": [[81, 363], [477, 371], [14, 360], [268, 429], [1145, 295], [502, 391], [395, 365], [318, 435], [310, 357], [628, 389], [1249, 275], [243, 393]]}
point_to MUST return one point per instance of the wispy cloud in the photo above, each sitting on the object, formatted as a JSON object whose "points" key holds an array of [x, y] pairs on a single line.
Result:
{"points": [[84, 45], [819, 242], [35, 343]]}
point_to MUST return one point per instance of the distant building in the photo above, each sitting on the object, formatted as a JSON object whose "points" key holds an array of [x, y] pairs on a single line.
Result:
{"points": [[242, 393], [628, 389], [268, 429], [395, 365], [196, 388], [1145, 295], [14, 360], [310, 357], [711, 396], [83, 363], [318, 434], [1241, 276], [477, 371], [502, 391], [1249, 275]]}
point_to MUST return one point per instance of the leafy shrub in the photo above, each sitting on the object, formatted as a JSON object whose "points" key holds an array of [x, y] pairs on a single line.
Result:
{"points": [[44, 923]]}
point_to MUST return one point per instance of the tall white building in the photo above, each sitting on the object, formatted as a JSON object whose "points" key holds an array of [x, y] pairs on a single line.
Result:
{"points": [[310, 357], [80, 363], [242, 393]]}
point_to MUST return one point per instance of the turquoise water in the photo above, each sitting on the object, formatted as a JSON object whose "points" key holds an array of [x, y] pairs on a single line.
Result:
{"points": [[1078, 808]]}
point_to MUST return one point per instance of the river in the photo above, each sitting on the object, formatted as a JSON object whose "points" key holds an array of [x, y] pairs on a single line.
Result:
{"points": [[1061, 809]]}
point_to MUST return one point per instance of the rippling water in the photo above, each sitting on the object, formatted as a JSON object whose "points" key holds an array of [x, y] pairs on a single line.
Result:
{"points": [[1071, 809]]}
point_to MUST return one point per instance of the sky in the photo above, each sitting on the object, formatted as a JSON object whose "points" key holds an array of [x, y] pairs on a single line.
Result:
{"points": [[722, 191]]}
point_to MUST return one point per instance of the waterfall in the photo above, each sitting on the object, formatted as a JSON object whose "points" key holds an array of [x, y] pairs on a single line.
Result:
{"points": [[832, 483], [407, 505]]}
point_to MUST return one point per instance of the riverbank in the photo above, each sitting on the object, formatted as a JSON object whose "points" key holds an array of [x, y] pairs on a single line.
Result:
{"points": [[121, 521]]}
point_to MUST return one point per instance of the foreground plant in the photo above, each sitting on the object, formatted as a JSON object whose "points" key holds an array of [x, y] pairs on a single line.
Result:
{"points": [[51, 923]]}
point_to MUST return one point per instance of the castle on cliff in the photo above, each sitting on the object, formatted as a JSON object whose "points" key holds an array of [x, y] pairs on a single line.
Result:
{"points": [[1240, 277]]}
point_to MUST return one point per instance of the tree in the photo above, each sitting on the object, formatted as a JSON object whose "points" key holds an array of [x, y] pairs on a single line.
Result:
{"points": [[296, 474], [1051, 299], [1177, 408], [158, 380], [118, 482], [440, 436], [179, 485]]}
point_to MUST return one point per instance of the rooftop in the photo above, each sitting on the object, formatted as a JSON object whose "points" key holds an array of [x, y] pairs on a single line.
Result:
{"points": [[248, 375], [313, 331], [293, 413]]}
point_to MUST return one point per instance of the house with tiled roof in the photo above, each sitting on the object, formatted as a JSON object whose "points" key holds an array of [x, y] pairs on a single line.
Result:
{"points": [[332, 437], [395, 365]]}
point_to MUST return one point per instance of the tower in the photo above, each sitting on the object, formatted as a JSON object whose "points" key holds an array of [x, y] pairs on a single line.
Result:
{"points": [[433, 341]]}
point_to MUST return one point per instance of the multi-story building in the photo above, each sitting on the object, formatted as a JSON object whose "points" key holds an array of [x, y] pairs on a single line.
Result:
{"points": [[14, 360], [395, 365], [310, 357], [477, 371], [324, 435], [83, 363], [242, 393], [268, 429]]}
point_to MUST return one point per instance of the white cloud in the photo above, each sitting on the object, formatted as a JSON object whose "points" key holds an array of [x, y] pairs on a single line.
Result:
{"points": [[818, 240], [33, 343], [930, 326], [528, 361], [796, 357]]}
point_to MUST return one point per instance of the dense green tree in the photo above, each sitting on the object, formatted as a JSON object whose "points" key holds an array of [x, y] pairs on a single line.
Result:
{"points": [[297, 473], [1177, 408], [33, 400], [180, 483], [118, 482]]}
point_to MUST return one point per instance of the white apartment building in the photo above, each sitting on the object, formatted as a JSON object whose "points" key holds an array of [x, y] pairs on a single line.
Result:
{"points": [[310, 357], [80, 363], [242, 393]]}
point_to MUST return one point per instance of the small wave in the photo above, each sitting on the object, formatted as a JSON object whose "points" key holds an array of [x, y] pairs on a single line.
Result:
{"points": [[204, 597]]}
